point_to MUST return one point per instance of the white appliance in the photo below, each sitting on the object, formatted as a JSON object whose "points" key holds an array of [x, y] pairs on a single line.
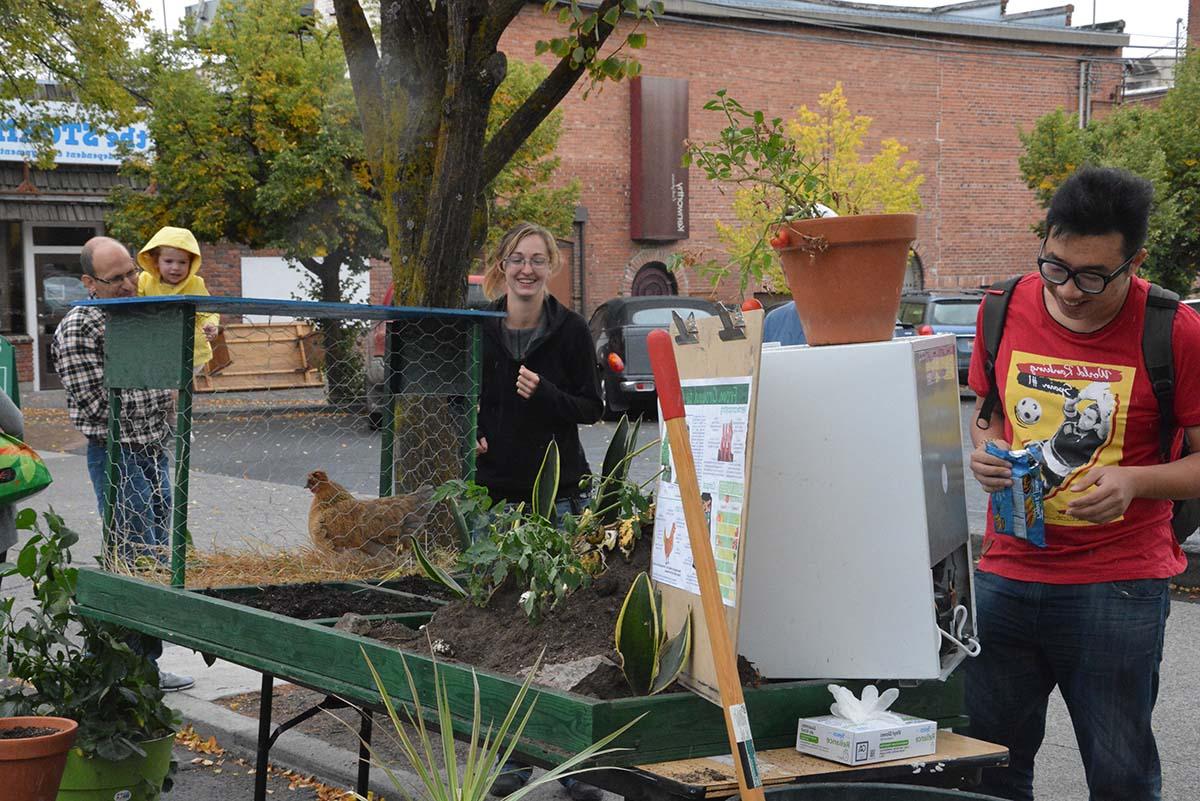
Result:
{"points": [[857, 545]]}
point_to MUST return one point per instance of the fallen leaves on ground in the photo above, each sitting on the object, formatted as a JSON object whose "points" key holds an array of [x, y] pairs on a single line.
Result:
{"points": [[188, 738]]}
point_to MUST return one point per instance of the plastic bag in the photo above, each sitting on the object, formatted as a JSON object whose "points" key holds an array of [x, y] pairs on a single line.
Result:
{"points": [[1017, 511], [22, 471]]}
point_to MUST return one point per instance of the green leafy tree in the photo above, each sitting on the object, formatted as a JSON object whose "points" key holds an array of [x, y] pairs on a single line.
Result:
{"points": [[78, 44], [257, 142], [426, 86], [1162, 145]]}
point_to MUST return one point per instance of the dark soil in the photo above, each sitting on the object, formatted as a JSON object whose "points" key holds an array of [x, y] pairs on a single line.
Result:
{"points": [[500, 638], [21, 732], [311, 601], [419, 585]]}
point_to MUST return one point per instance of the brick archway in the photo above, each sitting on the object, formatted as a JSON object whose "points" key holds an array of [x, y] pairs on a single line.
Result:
{"points": [[649, 257]]}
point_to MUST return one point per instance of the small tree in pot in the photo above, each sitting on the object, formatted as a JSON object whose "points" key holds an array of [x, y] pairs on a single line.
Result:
{"points": [[74, 667], [792, 179]]}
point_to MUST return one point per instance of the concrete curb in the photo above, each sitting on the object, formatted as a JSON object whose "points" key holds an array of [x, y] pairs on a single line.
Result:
{"points": [[238, 734]]}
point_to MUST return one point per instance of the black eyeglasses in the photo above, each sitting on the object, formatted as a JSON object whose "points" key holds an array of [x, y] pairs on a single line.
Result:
{"points": [[132, 275], [1091, 283]]}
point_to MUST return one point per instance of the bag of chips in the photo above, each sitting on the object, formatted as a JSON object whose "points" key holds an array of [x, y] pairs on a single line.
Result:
{"points": [[1017, 510]]}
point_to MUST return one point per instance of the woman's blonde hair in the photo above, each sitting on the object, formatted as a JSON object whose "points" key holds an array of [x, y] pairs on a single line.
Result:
{"points": [[493, 276]]}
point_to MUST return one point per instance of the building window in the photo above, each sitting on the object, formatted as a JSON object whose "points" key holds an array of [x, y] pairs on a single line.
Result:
{"points": [[44, 235]]}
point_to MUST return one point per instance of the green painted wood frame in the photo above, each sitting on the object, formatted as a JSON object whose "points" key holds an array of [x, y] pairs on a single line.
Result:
{"points": [[130, 364], [149, 347], [679, 725]]}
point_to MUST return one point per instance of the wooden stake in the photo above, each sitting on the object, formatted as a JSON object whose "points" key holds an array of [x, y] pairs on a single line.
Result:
{"points": [[737, 722]]}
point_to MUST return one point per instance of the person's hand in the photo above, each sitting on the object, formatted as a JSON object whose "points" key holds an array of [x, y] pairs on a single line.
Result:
{"points": [[1112, 490], [527, 382], [992, 472], [210, 332], [481, 446]]}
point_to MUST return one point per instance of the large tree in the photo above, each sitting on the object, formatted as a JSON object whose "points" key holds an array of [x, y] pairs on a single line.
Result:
{"points": [[257, 142], [425, 87], [78, 45]]}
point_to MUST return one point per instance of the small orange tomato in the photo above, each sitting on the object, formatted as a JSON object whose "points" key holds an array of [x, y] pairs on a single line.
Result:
{"points": [[753, 304], [781, 239]]}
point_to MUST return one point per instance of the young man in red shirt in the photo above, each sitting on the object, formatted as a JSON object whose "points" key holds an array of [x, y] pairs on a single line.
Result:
{"points": [[1087, 612]]}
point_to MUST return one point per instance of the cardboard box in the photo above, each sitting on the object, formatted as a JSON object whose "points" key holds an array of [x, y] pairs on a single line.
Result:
{"points": [[834, 738]]}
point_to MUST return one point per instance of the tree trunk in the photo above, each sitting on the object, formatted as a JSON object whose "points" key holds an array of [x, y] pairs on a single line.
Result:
{"points": [[344, 380]]}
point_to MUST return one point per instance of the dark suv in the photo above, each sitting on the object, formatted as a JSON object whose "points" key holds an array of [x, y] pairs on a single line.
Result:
{"points": [[619, 328], [945, 312]]}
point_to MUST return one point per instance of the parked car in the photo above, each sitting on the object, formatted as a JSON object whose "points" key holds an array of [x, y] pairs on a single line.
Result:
{"points": [[1194, 303], [375, 346], [945, 312], [619, 328]]}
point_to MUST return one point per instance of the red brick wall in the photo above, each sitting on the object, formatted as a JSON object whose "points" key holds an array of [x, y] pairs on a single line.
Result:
{"points": [[959, 115], [221, 267], [1193, 23], [23, 347]]}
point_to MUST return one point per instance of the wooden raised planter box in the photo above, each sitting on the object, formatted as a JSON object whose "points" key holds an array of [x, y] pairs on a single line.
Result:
{"points": [[678, 725]]}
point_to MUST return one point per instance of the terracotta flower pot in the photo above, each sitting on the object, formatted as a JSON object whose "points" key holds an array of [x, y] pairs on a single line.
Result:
{"points": [[846, 274], [31, 767]]}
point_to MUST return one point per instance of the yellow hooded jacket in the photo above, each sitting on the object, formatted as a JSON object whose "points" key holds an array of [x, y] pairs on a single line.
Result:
{"points": [[151, 284]]}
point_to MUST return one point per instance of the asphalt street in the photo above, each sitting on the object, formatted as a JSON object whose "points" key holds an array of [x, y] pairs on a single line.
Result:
{"points": [[247, 484]]}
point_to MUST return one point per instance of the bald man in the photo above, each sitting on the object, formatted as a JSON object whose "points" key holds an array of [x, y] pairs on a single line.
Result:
{"points": [[142, 509]]}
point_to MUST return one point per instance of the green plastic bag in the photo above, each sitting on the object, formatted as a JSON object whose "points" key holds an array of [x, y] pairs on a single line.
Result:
{"points": [[22, 471]]}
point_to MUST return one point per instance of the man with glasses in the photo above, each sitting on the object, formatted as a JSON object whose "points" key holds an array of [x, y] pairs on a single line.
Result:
{"points": [[1087, 612], [142, 507]]}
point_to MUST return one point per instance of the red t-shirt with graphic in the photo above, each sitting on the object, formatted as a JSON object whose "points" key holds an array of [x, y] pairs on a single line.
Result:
{"points": [[1087, 400]]}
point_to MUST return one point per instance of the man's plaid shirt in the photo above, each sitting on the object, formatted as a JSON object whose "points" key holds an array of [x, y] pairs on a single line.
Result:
{"points": [[78, 353]]}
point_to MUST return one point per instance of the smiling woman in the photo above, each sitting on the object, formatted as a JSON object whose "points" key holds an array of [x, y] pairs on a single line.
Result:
{"points": [[539, 375]]}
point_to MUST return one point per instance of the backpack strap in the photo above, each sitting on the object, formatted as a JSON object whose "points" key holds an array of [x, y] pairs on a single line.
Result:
{"points": [[995, 309], [1160, 362]]}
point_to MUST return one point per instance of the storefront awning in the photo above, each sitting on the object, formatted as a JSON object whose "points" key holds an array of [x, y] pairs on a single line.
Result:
{"points": [[52, 212]]}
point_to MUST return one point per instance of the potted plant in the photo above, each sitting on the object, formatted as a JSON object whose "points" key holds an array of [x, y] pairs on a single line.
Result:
{"points": [[794, 180], [33, 750], [74, 667]]}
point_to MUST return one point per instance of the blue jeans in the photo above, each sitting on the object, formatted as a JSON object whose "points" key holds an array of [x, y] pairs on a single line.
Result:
{"points": [[142, 509], [1101, 645]]}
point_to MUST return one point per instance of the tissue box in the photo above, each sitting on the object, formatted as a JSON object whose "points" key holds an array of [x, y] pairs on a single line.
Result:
{"points": [[831, 737]]}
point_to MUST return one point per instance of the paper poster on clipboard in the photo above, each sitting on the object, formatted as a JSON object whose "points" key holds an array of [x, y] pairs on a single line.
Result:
{"points": [[718, 364], [718, 417]]}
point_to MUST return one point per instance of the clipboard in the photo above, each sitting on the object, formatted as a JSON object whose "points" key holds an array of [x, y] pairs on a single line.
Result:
{"points": [[706, 350]]}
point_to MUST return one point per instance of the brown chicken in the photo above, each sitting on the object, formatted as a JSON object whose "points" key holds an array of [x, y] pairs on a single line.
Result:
{"points": [[337, 521]]}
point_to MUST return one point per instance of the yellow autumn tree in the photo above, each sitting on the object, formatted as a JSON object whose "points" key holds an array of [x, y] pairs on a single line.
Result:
{"points": [[833, 139]]}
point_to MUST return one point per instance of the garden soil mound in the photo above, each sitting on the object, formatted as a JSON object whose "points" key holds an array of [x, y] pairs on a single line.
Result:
{"points": [[500, 638]]}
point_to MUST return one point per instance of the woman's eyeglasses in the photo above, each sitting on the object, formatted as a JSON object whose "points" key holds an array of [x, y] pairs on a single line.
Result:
{"points": [[1089, 282], [519, 261]]}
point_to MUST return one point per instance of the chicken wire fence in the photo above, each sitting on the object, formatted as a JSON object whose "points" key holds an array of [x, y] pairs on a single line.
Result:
{"points": [[307, 448]]}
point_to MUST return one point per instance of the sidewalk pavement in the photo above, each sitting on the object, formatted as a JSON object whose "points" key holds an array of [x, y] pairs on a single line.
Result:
{"points": [[263, 402]]}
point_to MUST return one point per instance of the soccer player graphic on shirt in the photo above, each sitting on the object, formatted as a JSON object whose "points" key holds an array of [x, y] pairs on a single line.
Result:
{"points": [[1087, 421]]}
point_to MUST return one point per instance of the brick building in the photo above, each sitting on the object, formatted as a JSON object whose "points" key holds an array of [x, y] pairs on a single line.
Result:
{"points": [[954, 84]]}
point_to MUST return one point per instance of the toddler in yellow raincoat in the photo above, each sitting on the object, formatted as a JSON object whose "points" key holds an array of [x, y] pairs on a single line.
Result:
{"points": [[171, 265]]}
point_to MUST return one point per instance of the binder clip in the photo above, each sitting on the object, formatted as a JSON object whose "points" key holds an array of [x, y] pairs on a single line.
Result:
{"points": [[686, 329], [733, 326]]}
